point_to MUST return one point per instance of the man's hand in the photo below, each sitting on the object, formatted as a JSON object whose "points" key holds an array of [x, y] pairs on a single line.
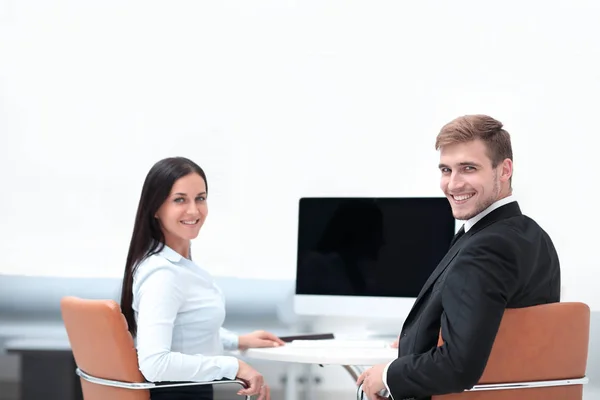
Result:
{"points": [[259, 339], [395, 344], [372, 382]]}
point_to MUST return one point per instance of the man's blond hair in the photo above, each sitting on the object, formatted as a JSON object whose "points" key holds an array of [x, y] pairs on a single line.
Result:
{"points": [[471, 127]]}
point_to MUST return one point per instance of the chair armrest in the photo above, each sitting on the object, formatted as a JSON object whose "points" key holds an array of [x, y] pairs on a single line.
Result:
{"points": [[507, 386], [527, 385], [152, 385], [221, 382]]}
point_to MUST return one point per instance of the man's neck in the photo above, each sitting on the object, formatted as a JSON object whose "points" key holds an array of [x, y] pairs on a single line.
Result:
{"points": [[498, 203]]}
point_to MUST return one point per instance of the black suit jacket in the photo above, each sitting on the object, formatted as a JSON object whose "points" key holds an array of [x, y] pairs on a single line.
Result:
{"points": [[504, 261]]}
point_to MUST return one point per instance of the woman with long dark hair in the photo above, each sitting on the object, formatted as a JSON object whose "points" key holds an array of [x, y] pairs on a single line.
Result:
{"points": [[173, 307]]}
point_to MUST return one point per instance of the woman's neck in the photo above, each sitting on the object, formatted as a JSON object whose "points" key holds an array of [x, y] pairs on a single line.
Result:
{"points": [[182, 247]]}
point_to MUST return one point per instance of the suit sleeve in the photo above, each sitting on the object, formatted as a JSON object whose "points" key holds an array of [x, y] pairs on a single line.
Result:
{"points": [[483, 278]]}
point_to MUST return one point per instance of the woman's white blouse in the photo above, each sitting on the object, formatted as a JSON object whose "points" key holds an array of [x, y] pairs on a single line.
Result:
{"points": [[179, 312]]}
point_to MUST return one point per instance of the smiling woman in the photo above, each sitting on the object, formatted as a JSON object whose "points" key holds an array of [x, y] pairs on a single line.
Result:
{"points": [[173, 307], [182, 214], [154, 228]]}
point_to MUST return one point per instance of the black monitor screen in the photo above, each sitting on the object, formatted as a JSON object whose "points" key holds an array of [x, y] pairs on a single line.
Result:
{"points": [[370, 246]]}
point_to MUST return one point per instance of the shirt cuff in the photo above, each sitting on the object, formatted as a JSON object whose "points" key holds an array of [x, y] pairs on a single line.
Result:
{"points": [[234, 342], [384, 378], [229, 339], [229, 366]]}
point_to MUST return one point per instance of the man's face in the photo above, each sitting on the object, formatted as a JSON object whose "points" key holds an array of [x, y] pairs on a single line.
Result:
{"points": [[468, 179]]}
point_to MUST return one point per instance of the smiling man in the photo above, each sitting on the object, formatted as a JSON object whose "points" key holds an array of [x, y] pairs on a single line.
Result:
{"points": [[499, 259]]}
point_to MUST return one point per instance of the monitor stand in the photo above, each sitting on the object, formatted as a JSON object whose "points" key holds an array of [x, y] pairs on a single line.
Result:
{"points": [[381, 329], [359, 328]]}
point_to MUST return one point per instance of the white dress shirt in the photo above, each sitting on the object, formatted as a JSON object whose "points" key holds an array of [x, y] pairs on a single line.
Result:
{"points": [[468, 225], [470, 222], [179, 312]]}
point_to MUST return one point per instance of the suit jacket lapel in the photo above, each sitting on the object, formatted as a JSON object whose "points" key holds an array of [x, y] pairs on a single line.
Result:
{"points": [[441, 266], [506, 211]]}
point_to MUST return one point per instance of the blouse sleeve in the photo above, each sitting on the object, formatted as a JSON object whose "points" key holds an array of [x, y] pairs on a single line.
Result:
{"points": [[159, 298], [229, 339]]}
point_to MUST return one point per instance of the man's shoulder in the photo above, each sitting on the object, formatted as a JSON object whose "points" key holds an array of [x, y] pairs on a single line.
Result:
{"points": [[512, 234], [517, 225], [499, 230]]}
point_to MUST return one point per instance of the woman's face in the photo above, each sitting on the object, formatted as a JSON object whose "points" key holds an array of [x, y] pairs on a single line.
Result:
{"points": [[183, 213]]}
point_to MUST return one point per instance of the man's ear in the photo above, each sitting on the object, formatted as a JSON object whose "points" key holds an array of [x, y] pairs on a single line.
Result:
{"points": [[507, 170]]}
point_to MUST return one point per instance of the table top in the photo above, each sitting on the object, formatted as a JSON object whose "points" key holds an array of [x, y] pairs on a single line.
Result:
{"points": [[324, 355]]}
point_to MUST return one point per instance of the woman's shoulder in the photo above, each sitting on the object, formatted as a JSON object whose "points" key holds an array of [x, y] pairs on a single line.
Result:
{"points": [[152, 264]]}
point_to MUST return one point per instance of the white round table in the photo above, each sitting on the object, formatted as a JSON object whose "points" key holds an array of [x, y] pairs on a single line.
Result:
{"points": [[324, 355], [352, 359]]}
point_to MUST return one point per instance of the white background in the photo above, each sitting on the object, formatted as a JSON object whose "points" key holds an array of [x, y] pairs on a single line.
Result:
{"points": [[278, 100]]}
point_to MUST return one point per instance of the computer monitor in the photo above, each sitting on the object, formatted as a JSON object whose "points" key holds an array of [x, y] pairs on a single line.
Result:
{"points": [[368, 257]]}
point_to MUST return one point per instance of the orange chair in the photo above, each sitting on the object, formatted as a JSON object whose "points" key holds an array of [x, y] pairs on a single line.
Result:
{"points": [[105, 353], [540, 353]]}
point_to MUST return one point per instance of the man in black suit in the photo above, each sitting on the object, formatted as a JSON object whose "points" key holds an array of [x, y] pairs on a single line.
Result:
{"points": [[499, 259]]}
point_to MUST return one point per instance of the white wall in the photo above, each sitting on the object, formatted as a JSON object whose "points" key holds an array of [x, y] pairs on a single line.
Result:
{"points": [[278, 100]]}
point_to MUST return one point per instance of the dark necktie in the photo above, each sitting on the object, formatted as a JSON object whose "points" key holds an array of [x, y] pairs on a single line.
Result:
{"points": [[458, 235]]}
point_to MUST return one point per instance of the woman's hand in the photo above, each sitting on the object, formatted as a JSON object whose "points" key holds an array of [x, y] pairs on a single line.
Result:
{"points": [[255, 383], [259, 339]]}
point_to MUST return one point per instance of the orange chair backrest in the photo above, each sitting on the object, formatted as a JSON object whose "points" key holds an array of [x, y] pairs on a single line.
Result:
{"points": [[102, 347], [538, 343]]}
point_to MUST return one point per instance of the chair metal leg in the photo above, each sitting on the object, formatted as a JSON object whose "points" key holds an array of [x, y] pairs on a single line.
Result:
{"points": [[354, 371]]}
